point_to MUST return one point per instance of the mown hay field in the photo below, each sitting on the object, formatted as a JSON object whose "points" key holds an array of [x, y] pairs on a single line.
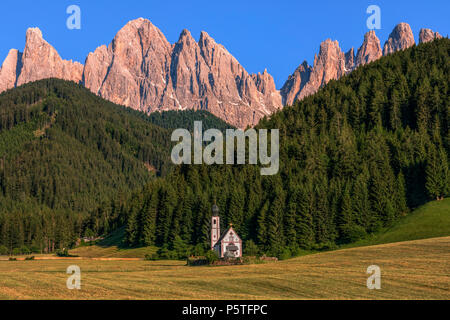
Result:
{"points": [[410, 270]]}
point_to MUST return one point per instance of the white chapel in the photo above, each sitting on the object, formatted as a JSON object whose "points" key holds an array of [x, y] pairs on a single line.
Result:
{"points": [[227, 244]]}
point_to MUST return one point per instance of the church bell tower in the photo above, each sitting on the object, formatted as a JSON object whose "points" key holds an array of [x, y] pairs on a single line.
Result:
{"points": [[215, 226]]}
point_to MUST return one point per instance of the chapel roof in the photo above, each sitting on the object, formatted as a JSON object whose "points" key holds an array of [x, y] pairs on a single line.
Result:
{"points": [[226, 232]]}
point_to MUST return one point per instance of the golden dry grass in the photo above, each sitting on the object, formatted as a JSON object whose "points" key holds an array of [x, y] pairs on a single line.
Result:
{"points": [[410, 270]]}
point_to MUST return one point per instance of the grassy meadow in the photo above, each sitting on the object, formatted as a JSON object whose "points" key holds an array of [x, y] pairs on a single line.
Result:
{"points": [[413, 255], [410, 270]]}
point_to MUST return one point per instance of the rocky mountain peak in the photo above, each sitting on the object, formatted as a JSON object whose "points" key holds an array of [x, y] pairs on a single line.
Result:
{"points": [[142, 70], [34, 35], [185, 34], [401, 38], [264, 82], [331, 63], [96, 67], [350, 60], [40, 61], [295, 83], [10, 69], [370, 50], [427, 35]]}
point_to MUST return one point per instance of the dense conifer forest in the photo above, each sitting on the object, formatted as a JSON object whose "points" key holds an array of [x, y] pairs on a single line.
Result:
{"points": [[355, 157], [64, 151]]}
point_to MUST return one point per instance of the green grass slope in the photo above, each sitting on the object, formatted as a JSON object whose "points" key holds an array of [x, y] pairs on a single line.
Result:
{"points": [[429, 221], [112, 247]]}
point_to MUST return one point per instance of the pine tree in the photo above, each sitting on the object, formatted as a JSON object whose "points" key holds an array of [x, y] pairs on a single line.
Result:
{"points": [[180, 247], [275, 232], [378, 194], [262, 225], [437, 177], [304, 222], [400, 195], [203, 220], [395, 111], [423, 103], [361, 202], [345, 218], [375, 109], [167, 202], [187, 225], [290, 218], [148, 220], [236, 208]]}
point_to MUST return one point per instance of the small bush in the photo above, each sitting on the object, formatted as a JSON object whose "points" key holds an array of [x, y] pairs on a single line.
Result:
{"points": [[299, 252], [352, 233], [151, 257], [3, 251], [35, 249], [199, 250], [252, 260], [165, 254], [12, 259], [25, 250], [327, 246], [211, 256], [251, 249], [64, 254], [285, 254], [180, 248], [197, 261], [29, 258]]}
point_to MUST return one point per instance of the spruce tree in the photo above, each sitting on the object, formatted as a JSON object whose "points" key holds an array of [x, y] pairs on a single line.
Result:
{"points": [[304, 221], [437, 177], [148, 220]]}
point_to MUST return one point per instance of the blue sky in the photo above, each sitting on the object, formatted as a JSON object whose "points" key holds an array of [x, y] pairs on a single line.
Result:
{"points": [[277, 35]]}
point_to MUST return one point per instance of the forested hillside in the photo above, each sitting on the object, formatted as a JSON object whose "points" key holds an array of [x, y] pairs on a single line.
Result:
{"points": [[185, 119], [64, 152], [355, 157]]}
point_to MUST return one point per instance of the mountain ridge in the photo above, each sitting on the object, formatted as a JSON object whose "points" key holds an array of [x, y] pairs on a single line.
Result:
{"points": [[142, 70], [331, 63]]}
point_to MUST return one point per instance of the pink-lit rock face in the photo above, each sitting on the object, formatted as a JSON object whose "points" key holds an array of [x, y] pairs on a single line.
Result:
{"points": [[370, 49], [401, 38], [331, 63], [40, 61], [427, 35], [9, 70], [295, 84], [142, 70]]}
